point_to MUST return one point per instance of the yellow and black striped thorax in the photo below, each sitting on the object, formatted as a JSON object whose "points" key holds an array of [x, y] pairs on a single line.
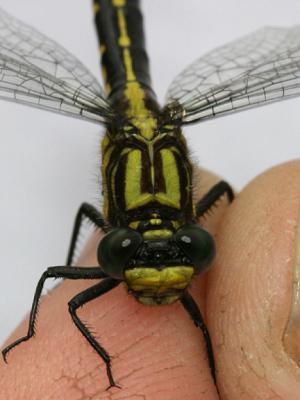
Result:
{"points": [[143, 179]]}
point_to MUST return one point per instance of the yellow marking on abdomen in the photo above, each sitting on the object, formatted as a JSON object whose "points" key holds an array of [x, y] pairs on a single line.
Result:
{"points": [[137, 112], [118, 3], [140, 116], [130, 76], [124, 40]]}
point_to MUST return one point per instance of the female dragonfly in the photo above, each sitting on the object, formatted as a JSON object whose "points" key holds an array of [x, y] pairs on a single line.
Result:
{"points": [[152, 240]]}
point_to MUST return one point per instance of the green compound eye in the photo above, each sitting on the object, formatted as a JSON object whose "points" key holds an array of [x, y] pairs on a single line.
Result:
{"points": [[197, 244], [116, 249]]}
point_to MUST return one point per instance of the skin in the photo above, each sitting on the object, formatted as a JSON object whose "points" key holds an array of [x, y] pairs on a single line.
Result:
{"points": [[157, 353]]}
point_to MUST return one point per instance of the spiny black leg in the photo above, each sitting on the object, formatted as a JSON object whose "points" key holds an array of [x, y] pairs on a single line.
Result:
{"points": [[212, 196], [191, 307], [53, 272], [87, 295], [92, 214]]}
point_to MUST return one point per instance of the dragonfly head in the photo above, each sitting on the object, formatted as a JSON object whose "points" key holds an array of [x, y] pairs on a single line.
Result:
{"points": [[156, 270]]}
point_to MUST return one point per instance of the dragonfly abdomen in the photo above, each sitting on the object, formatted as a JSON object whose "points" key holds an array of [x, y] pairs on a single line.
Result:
{"points": [[122, 45]]}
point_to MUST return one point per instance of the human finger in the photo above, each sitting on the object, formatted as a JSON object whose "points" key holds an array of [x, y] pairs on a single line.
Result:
{"points": [[251, 297]]}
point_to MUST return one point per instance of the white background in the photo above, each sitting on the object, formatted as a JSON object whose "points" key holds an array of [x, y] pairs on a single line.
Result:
{"points": [[49, 164]]}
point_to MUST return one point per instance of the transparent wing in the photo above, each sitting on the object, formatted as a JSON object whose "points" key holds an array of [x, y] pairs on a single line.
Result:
{"points": [[37, 71], [254, 70]]}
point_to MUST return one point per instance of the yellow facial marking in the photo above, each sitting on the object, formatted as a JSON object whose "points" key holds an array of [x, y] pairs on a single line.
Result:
{"points": [[152, 280], [155, 221], [157, 234]]}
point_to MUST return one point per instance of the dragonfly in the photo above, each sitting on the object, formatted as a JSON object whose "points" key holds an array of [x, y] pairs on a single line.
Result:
{"points": [[153, 242]]}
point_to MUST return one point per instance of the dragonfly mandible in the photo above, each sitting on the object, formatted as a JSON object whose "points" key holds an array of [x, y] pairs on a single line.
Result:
{"points": [[152, 239]]}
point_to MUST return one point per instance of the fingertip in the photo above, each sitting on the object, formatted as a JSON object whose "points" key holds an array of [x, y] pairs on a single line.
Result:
{"points": [[251, 286]]}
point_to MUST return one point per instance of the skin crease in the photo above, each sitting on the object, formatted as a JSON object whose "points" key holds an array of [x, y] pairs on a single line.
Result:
{"points": [[157, 353]]}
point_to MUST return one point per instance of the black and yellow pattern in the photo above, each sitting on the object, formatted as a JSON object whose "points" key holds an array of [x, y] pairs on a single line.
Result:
{"points": [[146, 174], [152, 240], [122, 46]]}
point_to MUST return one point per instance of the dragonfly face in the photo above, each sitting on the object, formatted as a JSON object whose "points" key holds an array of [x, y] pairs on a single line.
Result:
{"points": [[156, 270]]}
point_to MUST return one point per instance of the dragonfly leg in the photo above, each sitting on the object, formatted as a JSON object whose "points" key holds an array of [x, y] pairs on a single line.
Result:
{"points": [[79, 300], [193, 310], [86, 211], [53, 272], [212, 196]]}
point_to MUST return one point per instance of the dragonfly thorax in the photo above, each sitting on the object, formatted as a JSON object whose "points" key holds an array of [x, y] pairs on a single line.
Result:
{"points": [[139, 175]]}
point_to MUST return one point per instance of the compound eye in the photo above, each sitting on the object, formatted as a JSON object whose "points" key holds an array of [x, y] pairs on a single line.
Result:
{"points": [[197, 244], [115, 250]]}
